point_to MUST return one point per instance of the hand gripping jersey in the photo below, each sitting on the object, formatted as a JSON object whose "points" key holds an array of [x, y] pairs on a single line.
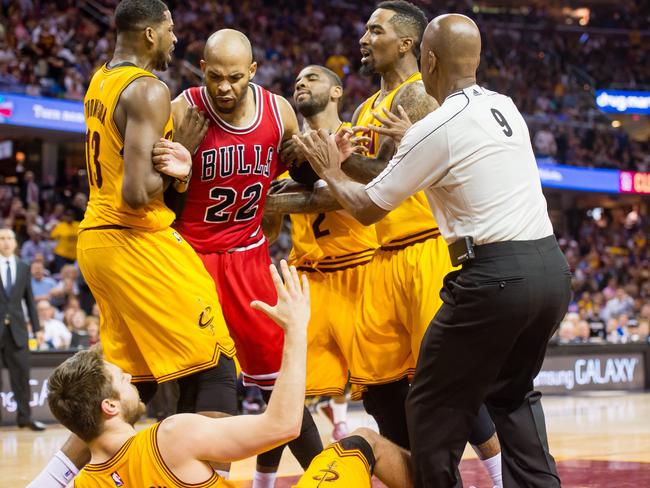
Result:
{"points": [[231, 173], [104, 160], [412, 221]]}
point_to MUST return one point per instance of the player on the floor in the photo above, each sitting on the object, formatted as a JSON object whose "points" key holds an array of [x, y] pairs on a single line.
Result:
{"points": [[222, 213], [160, 315], [405, 276], [333, 249], [96, 400]]}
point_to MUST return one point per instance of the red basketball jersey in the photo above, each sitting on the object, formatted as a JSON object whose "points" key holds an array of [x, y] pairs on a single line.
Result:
{"points": [[231, 173]]}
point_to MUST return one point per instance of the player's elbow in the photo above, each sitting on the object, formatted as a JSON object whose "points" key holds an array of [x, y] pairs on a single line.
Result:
{"points": [[286, 428], [367, 218], [134, 199]]}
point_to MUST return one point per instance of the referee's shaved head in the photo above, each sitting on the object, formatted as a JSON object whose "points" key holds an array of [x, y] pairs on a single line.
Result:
{"points": [[451, 52], [229, 44]]}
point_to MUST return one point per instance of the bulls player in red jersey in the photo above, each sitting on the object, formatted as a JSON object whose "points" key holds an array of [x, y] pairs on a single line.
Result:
{"points": [[222, 214]]}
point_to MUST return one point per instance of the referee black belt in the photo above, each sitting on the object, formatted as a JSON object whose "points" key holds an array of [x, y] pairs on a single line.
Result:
{"points": [[464, 249]]}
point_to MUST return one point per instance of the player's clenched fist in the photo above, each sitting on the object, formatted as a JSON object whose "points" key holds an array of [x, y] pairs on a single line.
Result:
{"points": [[292, 310], [172, 159]]}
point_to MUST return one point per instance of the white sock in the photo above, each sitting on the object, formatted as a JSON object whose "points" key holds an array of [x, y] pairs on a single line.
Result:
{"points": [[57, 474], [224, 474], [493, 467], [339, 411], [264, 480]]}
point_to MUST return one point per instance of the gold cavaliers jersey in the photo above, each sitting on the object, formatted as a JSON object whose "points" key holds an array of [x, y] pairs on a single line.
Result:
{"points": [[412, 221], [104, 156], [330, 241], [138, 463]]}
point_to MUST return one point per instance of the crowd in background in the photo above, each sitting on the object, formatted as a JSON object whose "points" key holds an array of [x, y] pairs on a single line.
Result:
{"points": [[608, 254], [52, 49]]}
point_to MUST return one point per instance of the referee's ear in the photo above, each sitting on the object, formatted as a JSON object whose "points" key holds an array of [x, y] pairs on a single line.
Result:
{"points": [[431, 62]]}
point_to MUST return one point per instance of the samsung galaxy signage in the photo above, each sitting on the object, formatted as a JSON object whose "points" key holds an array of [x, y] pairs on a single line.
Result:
{"points": [[42, 113], [623, 102], [564, 374]]}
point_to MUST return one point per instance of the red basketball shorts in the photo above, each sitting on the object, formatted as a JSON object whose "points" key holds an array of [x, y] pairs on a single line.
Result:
{"points": [[241, 277]]}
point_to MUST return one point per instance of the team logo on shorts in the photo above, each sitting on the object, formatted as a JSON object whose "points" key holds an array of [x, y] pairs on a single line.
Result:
{"points": [[116, 479], [206, 318], [328, 476], [177, 236]]}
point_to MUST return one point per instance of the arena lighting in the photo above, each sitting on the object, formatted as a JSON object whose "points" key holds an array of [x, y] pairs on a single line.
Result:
{"points": [[623, 101]]}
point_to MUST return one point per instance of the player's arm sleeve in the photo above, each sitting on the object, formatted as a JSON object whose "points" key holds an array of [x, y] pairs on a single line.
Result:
{"points": [[420, 162]]}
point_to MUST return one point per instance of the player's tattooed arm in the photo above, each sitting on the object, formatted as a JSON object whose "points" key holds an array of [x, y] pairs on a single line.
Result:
{"points": [[319, 200], [416, 103]]}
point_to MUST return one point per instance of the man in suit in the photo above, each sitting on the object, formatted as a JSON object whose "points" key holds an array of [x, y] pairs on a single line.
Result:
{"points": [[14, 350]]}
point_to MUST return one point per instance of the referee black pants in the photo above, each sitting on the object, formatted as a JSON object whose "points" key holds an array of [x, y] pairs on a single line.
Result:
{"points": [[485, 345]]}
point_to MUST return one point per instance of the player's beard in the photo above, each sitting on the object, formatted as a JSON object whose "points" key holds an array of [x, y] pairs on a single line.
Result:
{"points": [[161, 61], [314, 105], [367, 70], [233, 106], [133, 413]]}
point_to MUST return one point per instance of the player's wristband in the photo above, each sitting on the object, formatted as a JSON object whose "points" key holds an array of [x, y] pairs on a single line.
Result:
{"points": [[186, 180]]}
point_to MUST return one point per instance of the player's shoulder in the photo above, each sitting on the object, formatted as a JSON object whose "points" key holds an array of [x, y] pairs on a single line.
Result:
{"points": [[145, 90]]}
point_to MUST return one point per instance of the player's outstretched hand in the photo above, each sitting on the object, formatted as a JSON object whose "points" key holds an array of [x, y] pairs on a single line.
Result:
{"points": [[191, 131], [393, 126], [292, 310], [172, 159]]}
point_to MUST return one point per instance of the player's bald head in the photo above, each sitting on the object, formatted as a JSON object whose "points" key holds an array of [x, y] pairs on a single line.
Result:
{"points": [[451, 50], [228, 45]]}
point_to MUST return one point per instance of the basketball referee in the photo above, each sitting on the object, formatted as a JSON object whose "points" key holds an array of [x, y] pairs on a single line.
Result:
{"points": [[474, 160]]}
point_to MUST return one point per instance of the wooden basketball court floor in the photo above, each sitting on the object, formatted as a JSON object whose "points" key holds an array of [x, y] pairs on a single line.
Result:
{"points": [[599, 440]]}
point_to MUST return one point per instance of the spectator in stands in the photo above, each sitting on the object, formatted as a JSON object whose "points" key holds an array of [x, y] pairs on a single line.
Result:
{"points": [[56, 334], [35, 245], [42, 285], [67, 287], [641, 333], [65, 235], [566, 332], [622, 303], [544, 145], [92, 328], [29, 191], [80, 338], [583, 332]]}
